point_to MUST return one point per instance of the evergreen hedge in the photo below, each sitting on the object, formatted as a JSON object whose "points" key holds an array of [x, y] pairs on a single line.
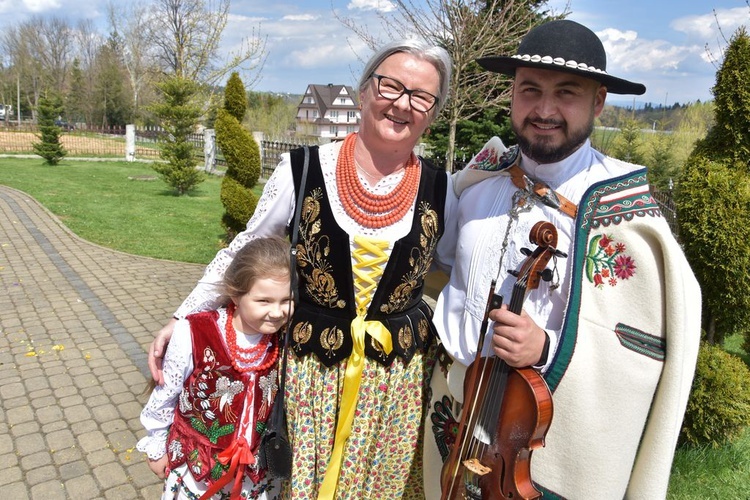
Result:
{"points": [[242, 155], [719, 405]]}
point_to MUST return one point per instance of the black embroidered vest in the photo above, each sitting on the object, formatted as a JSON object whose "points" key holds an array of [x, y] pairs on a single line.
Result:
{"points": [[326, 308]]}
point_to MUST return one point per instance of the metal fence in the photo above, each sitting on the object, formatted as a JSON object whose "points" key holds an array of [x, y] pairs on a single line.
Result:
{"points": [[665, 201], [110, 143]]}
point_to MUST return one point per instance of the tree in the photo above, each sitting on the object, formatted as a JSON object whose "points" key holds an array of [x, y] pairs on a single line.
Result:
{"points": [[130, 22], [713, 200], [242, 155], [178, 115], [50, 148], [468, 30], [82, 102], [273, 115], [662, 169], [186, 34], [629, 143], [471, 136]]}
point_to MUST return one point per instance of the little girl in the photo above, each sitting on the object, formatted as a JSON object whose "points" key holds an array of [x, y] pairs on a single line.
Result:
{"points": [[220, 370]]}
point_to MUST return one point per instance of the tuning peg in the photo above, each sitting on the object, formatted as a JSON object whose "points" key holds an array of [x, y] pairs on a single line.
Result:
{"points": [[547, 275], [526, 251]]}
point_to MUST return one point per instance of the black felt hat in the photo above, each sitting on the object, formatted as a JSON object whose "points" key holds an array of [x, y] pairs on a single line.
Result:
{"points": [[563, 46]]}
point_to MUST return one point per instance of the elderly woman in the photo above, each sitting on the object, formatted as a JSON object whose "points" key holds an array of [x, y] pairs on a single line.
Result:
{"points": [[371, 223]]}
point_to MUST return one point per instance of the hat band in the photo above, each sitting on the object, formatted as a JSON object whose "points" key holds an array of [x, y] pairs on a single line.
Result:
{"points": [[558, 61]]}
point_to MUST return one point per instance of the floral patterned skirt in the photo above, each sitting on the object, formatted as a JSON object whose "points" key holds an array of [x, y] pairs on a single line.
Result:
{"points": [[382, 458]]}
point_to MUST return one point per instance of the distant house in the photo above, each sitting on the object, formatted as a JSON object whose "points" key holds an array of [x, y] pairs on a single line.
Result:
{"points": [[328, 112]]}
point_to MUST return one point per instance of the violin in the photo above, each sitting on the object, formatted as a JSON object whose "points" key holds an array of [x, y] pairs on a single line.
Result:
{"points": [[507, 411]]}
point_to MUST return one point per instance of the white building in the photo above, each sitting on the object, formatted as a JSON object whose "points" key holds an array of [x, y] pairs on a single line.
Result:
{"points": [[328, 112]]}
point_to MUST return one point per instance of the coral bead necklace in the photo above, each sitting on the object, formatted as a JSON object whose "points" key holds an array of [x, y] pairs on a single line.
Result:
{"points": [[251, 354], [369, 209]]}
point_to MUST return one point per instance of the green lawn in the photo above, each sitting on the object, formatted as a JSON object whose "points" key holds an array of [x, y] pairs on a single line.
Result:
{"points": [[108, 203], [114, 204], [707, 473]]}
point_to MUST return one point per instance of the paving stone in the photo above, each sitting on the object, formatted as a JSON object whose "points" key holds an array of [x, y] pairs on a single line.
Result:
{"points": [[48, 489], [69, 419], [29, 444], [60, 439], [35, 461], [92, 441], [16, 491], [82, 487], [40, 475], [74, 469], [122, 492], [110, 475]]}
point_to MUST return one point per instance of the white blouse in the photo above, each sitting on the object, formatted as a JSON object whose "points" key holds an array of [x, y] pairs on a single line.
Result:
{"points": [[275, 211]]}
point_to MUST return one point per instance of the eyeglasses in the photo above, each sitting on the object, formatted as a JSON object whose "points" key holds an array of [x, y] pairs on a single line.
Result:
{"points": [[391, 89]]}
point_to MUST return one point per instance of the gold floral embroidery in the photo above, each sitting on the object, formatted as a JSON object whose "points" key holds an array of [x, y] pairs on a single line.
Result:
{"points": [[405, 337], [331, 339], [312, 253], [423, 329], [302, 332], [419, 262]]}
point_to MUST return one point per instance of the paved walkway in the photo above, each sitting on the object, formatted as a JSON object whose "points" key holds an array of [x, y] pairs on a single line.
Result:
{"points": [[75, 322]]}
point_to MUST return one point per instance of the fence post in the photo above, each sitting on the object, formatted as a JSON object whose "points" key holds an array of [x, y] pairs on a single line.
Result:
{"points": [[130, 142], [209, 149]]}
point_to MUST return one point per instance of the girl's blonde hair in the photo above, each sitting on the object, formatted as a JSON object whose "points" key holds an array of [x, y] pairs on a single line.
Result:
{"points": [[260, 258]]}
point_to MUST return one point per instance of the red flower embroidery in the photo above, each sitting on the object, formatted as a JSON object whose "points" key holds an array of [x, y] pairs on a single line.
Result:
{"points": [[624, 267], [605, 260]]}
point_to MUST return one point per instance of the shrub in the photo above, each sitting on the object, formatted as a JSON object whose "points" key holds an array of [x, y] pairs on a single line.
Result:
{"points": [[239, 204], [50, 148], [235, 97], [242, 155], [178, 116], [719, 405]]}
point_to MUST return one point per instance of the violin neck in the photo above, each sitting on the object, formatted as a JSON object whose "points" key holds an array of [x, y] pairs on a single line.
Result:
{"points": [[517, 297]]}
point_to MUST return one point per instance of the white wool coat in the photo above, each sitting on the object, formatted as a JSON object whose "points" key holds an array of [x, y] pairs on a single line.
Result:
{"points": [[624, 324]]}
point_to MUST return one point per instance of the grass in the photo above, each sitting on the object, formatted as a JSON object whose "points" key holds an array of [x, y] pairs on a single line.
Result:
{"points": [[103, 203], [108, 203], [709, 473]]}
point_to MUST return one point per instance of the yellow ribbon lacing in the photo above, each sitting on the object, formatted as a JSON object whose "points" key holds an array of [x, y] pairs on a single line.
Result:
{"points": [[369, 261]]}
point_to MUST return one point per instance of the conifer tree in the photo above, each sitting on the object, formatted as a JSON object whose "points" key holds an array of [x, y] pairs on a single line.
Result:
{"points": [[50, 148], [178, 116], [242, 155], [713, 200]]}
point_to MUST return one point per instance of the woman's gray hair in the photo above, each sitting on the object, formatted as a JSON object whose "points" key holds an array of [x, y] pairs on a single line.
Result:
{"points": [[433, 54]]}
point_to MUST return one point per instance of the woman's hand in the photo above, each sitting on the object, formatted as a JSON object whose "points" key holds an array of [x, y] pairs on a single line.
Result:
{"points": [[157, 350]]}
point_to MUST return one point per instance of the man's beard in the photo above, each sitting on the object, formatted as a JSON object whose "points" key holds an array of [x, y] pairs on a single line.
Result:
{"points": [[543, 151]]}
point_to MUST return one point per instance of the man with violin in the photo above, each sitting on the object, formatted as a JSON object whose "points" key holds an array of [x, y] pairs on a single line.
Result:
{"points": [[602, 307]]}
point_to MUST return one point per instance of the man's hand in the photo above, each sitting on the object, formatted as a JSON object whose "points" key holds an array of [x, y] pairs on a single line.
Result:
{"points": [[159, 467], [516, 339], [157, 350]]}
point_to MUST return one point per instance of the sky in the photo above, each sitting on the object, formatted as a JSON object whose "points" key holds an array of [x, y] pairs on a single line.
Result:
{"points": [[674, 47]]}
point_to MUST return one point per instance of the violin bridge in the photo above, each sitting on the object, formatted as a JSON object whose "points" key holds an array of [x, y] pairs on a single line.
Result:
{"points": [[476, 467]]}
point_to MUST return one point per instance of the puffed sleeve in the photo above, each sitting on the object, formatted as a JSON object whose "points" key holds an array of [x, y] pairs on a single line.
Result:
{"points": [[158, 414]]}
